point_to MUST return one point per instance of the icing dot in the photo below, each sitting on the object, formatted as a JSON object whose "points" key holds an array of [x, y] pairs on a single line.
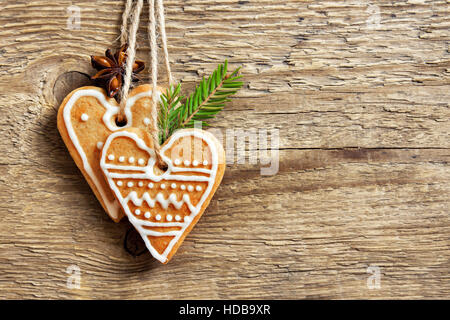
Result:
{"points": [[122, 159], [150, 185], [187, 162], [177, 162], [119, 183], [146, 121], [195, 163], [141, 161], [198, 188], [205, 163], [84, 117], [130, 184], [173, 185], [99, 145], [140, 184], [169, 217], [183, 187], [138, 212], [177, 217], [162, 186], [158, 217], [131, 159], [111, 157], [147, 215], [190, 188]]}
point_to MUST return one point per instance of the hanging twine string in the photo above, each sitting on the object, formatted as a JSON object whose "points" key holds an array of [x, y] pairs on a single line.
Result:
{"points": [[162, 27], [154, 69], [130, 37], [153, 73], [124, 27], [131, 53]]}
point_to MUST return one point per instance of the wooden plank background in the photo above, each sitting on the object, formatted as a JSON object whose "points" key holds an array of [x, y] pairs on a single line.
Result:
{"points": [[364, 180]]}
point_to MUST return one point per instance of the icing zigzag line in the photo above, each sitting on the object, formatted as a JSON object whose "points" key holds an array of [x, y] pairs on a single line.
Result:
{"points": [[172, 199]]}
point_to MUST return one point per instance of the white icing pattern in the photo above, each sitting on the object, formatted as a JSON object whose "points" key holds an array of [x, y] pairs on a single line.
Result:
{"points": [[163, 197]]}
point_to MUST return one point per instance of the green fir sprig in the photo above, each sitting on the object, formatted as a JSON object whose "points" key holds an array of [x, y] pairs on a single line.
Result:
{"points": [[169, 101], [207, 100]]}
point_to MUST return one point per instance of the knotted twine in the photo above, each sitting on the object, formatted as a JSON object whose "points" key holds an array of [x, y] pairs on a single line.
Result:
{"points": [[128, 34]]}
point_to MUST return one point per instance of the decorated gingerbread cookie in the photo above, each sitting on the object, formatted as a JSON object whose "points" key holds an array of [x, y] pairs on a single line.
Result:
{"points": [[86, 117], [163, 205], [153, 167]]}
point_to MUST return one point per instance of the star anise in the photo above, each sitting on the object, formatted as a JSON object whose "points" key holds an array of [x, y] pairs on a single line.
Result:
{"points": [[111, 70]]}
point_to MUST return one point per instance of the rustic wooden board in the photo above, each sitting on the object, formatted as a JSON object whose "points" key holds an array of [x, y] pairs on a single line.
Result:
{"points": [[364, 179]]}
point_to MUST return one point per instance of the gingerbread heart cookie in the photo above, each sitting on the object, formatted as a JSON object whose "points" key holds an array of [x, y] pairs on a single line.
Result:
{"points": [[86, 118], [163, 205]]}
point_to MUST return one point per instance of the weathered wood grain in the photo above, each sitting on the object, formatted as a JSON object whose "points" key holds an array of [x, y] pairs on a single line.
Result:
{"points": [[364, 178]]}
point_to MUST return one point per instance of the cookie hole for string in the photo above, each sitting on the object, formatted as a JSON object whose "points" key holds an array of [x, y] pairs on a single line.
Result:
{"points": [[162, 166], [120, 122]]}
